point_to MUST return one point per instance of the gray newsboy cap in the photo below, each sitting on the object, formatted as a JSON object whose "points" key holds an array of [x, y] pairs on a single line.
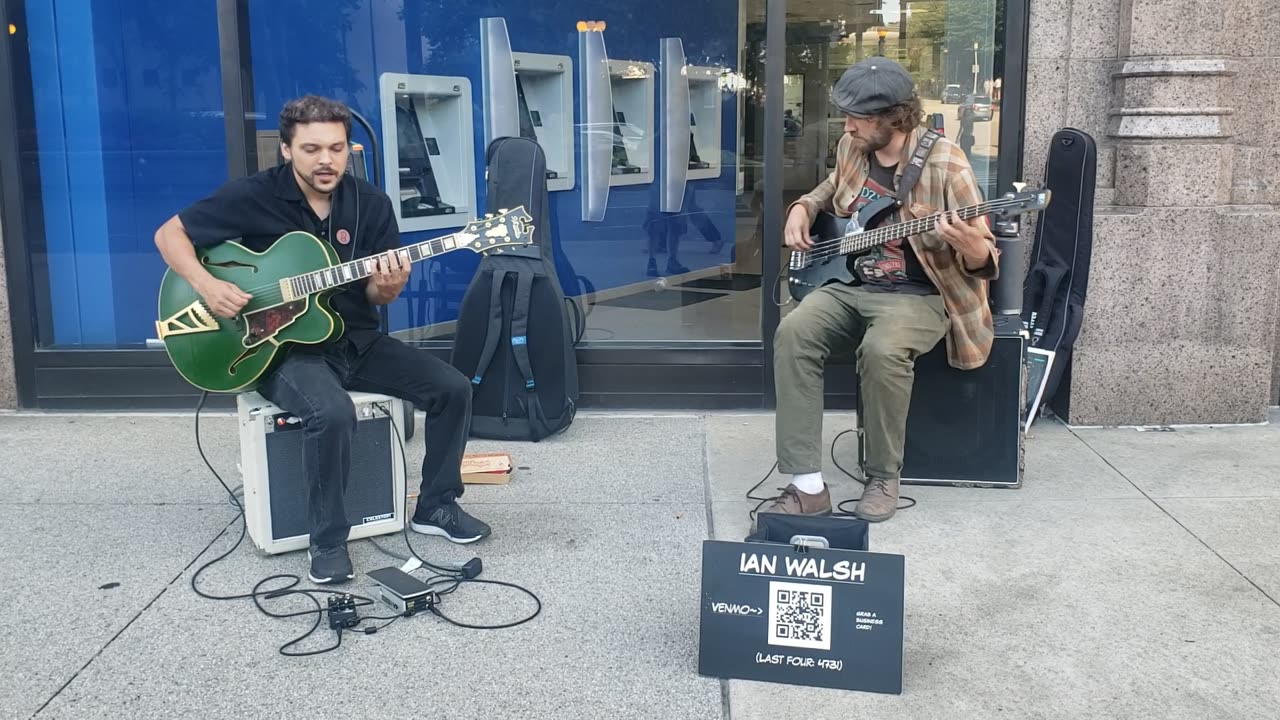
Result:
{"points": [[872, 86]]}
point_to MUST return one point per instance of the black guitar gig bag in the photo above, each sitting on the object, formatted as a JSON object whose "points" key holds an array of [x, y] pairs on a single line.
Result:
{"points": [[1057, 280], [514, 337]]}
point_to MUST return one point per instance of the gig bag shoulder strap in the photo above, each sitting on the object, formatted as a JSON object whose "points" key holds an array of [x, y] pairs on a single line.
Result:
{"points": [[537, 417], [497, 278], [520, 324], [911, 175]]}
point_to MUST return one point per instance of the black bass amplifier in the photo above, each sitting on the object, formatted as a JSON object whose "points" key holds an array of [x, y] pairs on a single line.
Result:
{"points": [[964, 427], [276, 491]]}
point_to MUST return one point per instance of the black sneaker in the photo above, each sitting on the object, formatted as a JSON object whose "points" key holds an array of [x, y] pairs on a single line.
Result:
{"points": [[449, 521], [330, 565]]}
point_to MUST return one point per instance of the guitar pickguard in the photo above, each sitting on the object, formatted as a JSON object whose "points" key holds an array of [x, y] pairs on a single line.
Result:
{"points": [[263, 325]]}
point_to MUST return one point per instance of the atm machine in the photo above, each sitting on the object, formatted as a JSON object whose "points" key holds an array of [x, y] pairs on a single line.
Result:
{"points": [[430, 168], [419, 191]]}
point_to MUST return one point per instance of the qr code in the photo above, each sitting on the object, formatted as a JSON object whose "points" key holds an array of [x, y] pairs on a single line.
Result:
{"points": [[800, 615]]}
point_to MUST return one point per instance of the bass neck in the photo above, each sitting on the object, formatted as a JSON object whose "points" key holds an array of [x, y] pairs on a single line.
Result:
{"points": [[860, 240]]}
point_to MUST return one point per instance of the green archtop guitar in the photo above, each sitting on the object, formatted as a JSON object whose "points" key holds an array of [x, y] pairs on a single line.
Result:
{"points": [[291, 284]]}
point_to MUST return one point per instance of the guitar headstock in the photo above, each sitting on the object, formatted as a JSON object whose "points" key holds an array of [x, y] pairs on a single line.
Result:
{"points": [[495, 231], [1023, 200]]}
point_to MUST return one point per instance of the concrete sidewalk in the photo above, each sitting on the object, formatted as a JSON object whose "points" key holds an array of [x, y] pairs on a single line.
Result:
{"points": [[1136, 575]]}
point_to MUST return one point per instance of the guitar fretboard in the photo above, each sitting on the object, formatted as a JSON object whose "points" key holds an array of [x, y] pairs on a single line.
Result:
{"points": [[859, 242], [331, 277]]}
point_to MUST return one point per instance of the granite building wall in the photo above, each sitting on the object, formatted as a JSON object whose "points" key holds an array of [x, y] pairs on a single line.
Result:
{"points": [[1182, 98]]}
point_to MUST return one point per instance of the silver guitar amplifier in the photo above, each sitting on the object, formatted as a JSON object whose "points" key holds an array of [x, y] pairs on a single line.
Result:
{"points": [[276, 491]]}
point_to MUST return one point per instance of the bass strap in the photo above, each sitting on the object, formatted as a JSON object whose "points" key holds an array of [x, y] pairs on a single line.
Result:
{"points": [[911, 175]]}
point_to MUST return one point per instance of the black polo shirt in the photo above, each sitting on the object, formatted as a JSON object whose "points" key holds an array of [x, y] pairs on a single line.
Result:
{"points": [[257, 210]]}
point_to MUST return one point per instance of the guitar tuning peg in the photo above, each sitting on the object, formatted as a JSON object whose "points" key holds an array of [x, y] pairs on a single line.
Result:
{"points": [[503, 211], [1019, 186]]}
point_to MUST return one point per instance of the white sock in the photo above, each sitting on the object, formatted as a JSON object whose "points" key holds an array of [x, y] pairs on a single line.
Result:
{"points": [[808, 483]]}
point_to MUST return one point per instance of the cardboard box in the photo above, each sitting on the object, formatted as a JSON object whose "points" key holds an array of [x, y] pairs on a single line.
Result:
{"points": [[486, 468]]}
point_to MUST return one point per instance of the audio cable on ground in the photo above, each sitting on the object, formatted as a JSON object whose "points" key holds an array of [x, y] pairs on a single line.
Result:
{"points": [[448, 579], [840, 509]]}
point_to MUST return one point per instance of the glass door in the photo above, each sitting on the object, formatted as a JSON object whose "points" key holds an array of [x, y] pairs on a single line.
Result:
{"points": [[950, 47]]}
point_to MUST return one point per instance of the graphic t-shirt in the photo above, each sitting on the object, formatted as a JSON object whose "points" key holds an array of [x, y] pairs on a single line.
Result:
{"points": [[892, 267]]}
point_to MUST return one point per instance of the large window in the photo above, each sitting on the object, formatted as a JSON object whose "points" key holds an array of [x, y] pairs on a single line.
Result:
{"points": [[645, 269], [125, 127], [950, 47]]}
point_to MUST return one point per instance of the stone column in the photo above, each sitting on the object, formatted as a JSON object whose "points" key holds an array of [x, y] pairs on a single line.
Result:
{"points": [[1180, 319], [8, 384]]}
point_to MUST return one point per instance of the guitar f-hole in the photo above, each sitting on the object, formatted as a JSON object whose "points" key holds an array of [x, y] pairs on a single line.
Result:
{"points": [[231, 264], [243, 356]]}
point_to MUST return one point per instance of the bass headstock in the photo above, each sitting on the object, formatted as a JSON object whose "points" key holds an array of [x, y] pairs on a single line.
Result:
{"points": [[1022, 200]]}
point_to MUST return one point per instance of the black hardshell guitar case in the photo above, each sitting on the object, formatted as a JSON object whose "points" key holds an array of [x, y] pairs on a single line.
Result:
{"points": [[1057, 281]]}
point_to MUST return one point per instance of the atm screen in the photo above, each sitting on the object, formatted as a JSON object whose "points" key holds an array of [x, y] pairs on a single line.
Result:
{"points": [[695, 160], [419, 193], [527, 120], [620, 160]]}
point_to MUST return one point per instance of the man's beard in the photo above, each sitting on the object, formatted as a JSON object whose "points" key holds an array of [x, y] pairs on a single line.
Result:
{"points": [[879, 139]]}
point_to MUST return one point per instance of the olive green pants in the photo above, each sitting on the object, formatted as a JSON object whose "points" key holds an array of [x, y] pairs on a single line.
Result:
{"points": [[888, 331]]}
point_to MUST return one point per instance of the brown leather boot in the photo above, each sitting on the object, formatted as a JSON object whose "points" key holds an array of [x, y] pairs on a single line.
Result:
{"points": [[879, 499], [794, 502]]}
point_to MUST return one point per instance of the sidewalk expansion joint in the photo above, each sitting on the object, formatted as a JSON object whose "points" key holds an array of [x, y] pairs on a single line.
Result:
{"points": [[1171, 516]]}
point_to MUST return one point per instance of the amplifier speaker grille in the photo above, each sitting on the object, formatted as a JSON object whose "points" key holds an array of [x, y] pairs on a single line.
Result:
{"points": [[277, 492], [965, 426], [369, 490]]}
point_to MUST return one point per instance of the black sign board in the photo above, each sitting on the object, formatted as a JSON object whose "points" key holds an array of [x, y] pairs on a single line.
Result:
{"points": [[802, 616]]}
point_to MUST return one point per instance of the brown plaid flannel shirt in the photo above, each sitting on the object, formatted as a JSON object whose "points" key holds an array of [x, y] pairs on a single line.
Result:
{"points": [[946, 183]]}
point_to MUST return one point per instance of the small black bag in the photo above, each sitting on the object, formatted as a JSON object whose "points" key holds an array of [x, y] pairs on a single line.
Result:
{"points": [[841, 532]]}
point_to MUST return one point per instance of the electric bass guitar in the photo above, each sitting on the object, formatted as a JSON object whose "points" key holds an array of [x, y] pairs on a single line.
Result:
{"points": [[833, 241], [291, 284]]}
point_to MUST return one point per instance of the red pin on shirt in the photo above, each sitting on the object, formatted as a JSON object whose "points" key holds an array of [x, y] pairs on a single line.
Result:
{"points": [[344, 237]]}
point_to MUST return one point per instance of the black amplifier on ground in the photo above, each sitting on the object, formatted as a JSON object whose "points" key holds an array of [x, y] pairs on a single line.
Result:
{"points": [[965, 426]]}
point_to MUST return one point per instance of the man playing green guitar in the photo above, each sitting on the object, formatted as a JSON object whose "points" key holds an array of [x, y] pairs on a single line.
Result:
{"points": [[312, 193]]}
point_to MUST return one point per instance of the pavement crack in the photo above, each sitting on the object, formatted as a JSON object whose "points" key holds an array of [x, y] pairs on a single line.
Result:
{"points": [[1174, 518], [726, 711], [137, 615]]}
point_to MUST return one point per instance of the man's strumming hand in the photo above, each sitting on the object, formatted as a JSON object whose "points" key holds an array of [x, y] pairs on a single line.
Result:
{"points": [[796, 231], [221, 297]]}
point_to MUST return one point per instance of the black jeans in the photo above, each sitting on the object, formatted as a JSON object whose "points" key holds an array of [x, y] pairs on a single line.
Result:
{"points": [[312, 383]]}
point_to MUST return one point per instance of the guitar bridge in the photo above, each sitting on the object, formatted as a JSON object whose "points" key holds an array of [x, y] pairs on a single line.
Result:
{"points": [[194, 318], [799, 260]]}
